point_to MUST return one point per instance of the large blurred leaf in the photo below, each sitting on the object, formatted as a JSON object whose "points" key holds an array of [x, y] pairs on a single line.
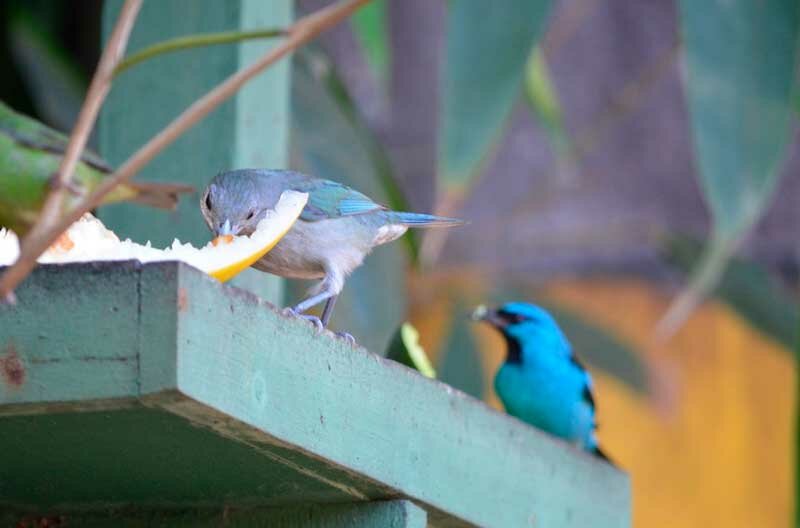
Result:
{"points": [[369, 24], [543, 100], [327, 143], [740, 59], [749, 289], [487, 49]]}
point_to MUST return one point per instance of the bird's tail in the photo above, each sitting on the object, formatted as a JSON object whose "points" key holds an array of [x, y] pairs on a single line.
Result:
{"points": [[161, 195], [424, 220]]}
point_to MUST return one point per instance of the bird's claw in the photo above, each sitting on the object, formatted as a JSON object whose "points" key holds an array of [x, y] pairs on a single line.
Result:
{"points": [[313, 319], [347, 337]]}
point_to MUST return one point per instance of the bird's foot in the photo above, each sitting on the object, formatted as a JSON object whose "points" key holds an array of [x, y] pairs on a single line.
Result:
{"points": [[313, 319], [347, 337]]}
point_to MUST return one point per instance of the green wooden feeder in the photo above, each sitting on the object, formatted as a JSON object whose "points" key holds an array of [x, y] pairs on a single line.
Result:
{"points": [[156, 391], [152, 395]]}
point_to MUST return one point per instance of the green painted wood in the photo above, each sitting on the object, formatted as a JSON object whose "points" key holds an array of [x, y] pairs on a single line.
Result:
{"points": [[251, 130], [228, 391], [73, 324], [384, 514]]}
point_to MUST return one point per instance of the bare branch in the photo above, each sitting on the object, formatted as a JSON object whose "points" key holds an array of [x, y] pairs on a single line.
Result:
{"points": [[194, 41], [98, 90]]}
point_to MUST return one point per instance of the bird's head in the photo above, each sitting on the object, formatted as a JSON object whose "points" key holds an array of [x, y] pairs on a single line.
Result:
{"points": [[526, 327], [236, 201]]}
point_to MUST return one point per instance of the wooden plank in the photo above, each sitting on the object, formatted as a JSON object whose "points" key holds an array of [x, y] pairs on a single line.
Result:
{"points": [[385, 514], [95, 460], [379, 419], [72, 336], [233, 403], [251, 130]]}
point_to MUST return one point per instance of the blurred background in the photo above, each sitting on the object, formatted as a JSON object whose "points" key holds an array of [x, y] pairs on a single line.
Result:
{"points": [[606, 154]]}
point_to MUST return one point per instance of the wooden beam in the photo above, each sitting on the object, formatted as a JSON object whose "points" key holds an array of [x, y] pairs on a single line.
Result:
{"points": [[226, 401], [386, 514]]}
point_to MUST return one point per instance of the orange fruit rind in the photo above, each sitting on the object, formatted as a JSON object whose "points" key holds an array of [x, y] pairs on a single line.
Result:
{"points": [[223, 258]]}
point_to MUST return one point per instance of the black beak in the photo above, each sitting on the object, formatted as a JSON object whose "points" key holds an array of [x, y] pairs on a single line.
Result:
{"points": [[482, 313]]}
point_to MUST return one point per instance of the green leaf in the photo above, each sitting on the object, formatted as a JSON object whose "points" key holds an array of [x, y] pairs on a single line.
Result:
{"points": [[405, 348], [327, 143], [748, 288], [485, 63], [543, 100], [740, 61], [369, 25]]}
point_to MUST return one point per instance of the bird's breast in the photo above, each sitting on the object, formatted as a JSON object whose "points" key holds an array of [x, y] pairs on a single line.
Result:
{"points": [[311, 247]]}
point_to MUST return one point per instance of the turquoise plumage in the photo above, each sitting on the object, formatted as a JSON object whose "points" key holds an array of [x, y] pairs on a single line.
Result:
{"points": [[541, 382]]}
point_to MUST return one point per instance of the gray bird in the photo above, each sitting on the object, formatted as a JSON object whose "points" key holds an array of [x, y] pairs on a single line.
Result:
{"points": [[338, 227]]}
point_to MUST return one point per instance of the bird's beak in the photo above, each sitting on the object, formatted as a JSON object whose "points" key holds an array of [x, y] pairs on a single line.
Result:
{"points": [[226, 229], [482, 313]]}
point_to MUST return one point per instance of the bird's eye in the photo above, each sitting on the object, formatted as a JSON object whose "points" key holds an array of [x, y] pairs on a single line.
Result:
{"points": [[512, 318], [208, 201], [250, 215]]}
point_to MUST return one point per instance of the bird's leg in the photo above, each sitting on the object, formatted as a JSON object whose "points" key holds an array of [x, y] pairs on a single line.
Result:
{"points": [[326, 316], [328, 310], [327, 290], [310, 302]]}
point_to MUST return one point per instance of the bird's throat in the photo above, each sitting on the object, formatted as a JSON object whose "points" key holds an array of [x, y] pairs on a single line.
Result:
{"points": [[513, 350]]}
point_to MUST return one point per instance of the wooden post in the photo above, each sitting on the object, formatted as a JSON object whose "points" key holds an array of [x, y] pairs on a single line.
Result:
{"points": [[250, 130]]}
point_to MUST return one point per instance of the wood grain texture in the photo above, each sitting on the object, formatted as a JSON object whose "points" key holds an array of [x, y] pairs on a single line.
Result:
{"points": [[221, 375]]}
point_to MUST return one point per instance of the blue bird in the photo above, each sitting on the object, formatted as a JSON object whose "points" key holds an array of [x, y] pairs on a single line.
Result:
{"points": [[541, 382], [337, 228]]}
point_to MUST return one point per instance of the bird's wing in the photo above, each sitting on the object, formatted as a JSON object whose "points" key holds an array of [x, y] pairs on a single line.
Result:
{"points": [[32, 134], [328, 199]]}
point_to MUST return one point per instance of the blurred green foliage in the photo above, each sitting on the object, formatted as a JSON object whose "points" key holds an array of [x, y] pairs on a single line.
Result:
{"points": [[370, 25], [740, 58], [484, 67]]}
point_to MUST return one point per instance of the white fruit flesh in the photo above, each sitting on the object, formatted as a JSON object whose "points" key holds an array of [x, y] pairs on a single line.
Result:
{"points": [[92, 241]]}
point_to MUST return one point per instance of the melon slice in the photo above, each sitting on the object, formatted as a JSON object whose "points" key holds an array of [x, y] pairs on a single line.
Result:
{"points": [[88, 240]]}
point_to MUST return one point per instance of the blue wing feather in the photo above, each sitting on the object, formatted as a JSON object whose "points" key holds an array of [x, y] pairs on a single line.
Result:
{"points": [[327, 199]]}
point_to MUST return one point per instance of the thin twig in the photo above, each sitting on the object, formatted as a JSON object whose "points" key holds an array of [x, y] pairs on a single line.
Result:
{"points": [[194, 41], [98, 90], [299, 33]]}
